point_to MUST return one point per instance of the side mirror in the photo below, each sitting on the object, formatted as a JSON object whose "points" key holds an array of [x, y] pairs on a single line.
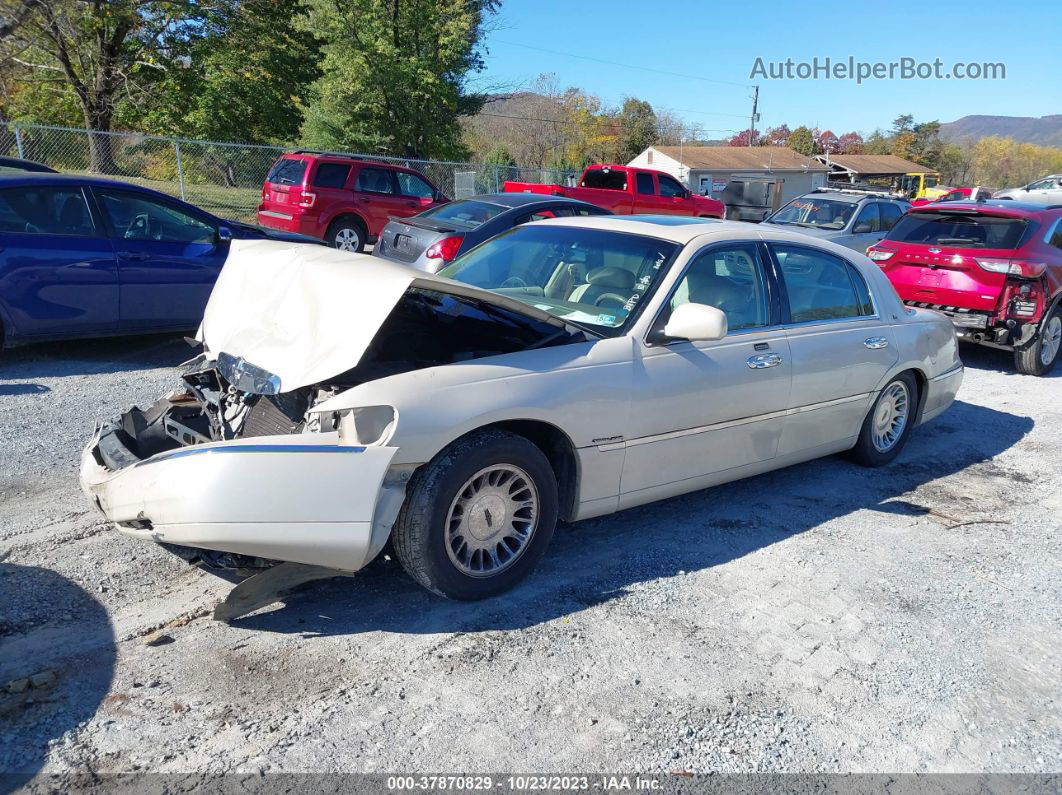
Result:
{"points": [[696, 323], [861, 227], [224, 234], [1026, 188]]}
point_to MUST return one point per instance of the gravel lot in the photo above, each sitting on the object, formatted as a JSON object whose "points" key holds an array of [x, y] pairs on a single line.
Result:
{"points": [[821, 618]]}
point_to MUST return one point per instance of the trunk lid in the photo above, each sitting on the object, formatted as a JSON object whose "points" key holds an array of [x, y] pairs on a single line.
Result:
{"points": [[306, 313], [408, 239]]}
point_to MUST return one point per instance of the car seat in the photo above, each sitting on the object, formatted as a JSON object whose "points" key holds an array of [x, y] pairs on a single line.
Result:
{"points": [[735, 300], [607, 285]]}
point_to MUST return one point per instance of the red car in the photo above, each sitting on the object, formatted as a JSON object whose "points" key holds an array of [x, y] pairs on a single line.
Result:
{"points": [[624, 190], [995, 267], [340, 199]]}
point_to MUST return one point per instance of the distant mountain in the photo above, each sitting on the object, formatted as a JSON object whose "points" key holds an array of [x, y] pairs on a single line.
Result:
{"points": [[1045, 131]]}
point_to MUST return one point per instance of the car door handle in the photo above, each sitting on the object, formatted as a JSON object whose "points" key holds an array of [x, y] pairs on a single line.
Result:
{"points": [[135, 255], [764, 360], [876, 342]]}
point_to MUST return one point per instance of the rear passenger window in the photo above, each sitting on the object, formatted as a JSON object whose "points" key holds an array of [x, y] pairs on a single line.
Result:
{"points": [[645, 185], [821, 286], [45, 211], [375, 180], [331, 175]]}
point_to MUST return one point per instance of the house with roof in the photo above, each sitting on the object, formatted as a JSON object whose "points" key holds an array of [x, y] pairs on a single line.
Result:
{"points": [[862, 168], [780, 172]]}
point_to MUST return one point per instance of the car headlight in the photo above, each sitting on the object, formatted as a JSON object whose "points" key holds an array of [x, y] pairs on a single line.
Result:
{"points": [[367, 425]]}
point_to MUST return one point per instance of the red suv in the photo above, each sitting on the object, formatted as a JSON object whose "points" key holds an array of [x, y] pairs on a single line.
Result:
{"points": [[995, 267], [340, 199]]}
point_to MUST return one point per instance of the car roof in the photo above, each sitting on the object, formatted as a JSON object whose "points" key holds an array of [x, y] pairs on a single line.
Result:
{"points": [[1005, 208], [655, 226], [31, 166], [851, 197], [524, 200], [30, 178]]}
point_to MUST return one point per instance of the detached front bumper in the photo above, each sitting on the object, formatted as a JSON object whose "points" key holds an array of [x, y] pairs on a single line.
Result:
{"points": [[298, 498]]}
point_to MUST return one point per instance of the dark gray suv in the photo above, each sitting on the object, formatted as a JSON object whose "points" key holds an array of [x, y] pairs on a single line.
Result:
{"points": [[854, 219]]}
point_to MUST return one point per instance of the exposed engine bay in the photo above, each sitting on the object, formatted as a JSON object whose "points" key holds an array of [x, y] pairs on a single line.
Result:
{"points": [[223, 397]]}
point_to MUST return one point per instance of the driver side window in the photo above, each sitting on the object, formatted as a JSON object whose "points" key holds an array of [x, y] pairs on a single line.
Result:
{"points": [[868, 219], [670, 188], [731, 278], [135, 217]]}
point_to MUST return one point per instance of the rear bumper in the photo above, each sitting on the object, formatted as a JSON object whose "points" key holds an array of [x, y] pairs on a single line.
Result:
{"points": [[986, 328], [290, 498], [289, 220], [941, 392]]}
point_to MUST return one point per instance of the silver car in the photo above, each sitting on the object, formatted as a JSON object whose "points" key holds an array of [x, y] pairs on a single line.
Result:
{"points": [[435, 238], [1044, 191], [563, 370], [855, 220]]}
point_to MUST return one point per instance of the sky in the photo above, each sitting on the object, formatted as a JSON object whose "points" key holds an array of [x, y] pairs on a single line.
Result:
{"points": [[698, 41]]}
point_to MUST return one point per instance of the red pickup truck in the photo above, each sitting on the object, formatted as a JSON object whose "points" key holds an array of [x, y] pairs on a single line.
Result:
{"points": [[628, 191]]}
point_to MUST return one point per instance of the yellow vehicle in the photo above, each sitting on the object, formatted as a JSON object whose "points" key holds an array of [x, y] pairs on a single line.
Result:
{"points": [[922, 185]]}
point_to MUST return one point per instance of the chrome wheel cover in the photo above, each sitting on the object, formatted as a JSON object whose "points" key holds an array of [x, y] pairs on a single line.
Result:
{"points": [[492, 520], [1050, 341], [348, 239], [890, 416]]}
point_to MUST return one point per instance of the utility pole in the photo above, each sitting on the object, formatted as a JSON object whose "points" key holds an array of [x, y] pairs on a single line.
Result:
{"points": [[755, 116]]}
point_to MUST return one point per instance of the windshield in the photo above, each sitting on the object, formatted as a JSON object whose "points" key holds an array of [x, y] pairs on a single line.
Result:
{"points": [[590, 277], [816, 213], [963, 231], [465, 213]]}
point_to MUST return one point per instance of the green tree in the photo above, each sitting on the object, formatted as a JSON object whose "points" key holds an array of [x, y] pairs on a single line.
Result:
{"points": [[637, 129], [802, 140], [102, 50], [395, 74], [249, 73]]}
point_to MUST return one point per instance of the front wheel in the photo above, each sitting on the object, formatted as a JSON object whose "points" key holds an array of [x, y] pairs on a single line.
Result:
{"points": [[478, 517], [888, 424], [1040, 355]]}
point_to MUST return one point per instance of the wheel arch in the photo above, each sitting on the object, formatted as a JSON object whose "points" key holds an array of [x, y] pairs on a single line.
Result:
{"points": [[559, 450], [348, 212]]}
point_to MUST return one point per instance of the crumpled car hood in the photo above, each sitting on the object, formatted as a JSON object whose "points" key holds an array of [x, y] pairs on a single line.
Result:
{"points": [[307, 313]]}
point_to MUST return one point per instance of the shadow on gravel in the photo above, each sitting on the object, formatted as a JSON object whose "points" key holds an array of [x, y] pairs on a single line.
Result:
{"points": [[982, 358], [87, 357], [22, 389], [596, 561], [57, 652]]}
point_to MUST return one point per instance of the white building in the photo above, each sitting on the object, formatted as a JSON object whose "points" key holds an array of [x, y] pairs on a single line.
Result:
{"points": [[708, 169]]}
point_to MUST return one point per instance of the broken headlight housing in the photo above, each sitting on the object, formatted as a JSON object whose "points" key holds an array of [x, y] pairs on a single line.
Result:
{"points": [[366, 425], [246, 377]]}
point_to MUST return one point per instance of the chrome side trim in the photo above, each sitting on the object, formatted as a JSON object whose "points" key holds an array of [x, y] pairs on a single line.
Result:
{"points": [[251, 448], [719, 426], [272, 214], [956, 369]]}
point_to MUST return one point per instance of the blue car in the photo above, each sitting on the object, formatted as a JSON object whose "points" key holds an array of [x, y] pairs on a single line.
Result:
{"points": [[88, 257]]}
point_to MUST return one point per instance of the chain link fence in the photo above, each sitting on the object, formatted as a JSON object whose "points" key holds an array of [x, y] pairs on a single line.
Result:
{"points": [[223, 178]]}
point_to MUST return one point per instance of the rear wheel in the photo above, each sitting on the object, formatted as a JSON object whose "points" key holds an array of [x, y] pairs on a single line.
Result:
{"points": [[888, 424], [478, 517], [346, 234], [1041, 355]]}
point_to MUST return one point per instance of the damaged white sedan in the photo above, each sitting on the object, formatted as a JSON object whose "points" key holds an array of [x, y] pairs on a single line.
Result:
{"points": [[563, 370]]}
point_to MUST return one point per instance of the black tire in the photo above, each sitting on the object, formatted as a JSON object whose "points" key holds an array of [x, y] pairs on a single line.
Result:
{"points": [[869, 454], [347, 228], [420, 532], [1030, 359]]}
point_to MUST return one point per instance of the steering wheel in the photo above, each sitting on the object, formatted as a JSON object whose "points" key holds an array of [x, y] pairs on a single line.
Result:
{"points": [[611, 297], [513, 281]]}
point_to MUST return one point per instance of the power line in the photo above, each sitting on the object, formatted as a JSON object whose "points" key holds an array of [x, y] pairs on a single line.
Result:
{"points": [[624, 65]]}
